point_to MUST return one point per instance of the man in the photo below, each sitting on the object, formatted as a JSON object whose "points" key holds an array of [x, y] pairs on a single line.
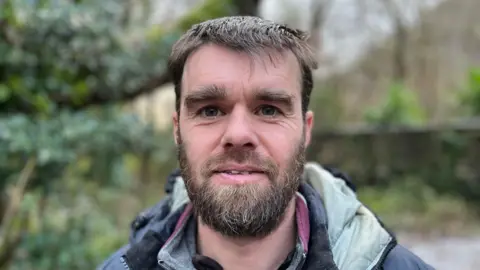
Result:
{"points": [[245, 198]]}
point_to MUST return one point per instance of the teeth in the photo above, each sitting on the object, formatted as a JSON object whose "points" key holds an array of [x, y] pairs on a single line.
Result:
{"points": [[237, 172]]}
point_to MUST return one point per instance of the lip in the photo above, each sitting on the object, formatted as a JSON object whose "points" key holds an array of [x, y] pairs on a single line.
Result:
{"points": [[238, 167], [220, 175]]}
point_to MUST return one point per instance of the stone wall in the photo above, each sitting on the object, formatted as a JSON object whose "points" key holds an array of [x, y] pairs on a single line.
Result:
{"points": [[446, 157]]}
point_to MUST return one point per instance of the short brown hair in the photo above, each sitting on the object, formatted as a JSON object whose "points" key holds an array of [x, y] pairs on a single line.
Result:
{"points": [[247, 34]]}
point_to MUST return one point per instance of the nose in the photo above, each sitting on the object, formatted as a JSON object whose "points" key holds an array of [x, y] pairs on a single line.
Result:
{"points": [[239, 131]]}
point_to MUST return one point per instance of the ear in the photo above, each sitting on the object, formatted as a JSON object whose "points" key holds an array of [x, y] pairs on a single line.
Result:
{"points": [[308, 127], [175, 127]]}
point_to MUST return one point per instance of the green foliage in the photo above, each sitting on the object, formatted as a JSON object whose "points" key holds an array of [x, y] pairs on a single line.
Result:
{"points": [[60, 140], [470, 96], [66, 55], [326, 103], [64, 68], [401, 107], [209, 9], [76, 151], [411, 204], [69, 233]]}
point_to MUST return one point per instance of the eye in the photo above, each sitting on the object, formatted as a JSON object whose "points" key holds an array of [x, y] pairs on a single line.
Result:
{"points": [[209, 112], [268, 110]]}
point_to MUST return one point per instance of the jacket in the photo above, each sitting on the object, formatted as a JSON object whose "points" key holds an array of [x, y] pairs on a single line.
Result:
{"points": [[343, 233]]}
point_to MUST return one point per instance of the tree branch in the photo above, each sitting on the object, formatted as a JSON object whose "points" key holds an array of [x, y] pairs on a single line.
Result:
{"points": [[4, 30], [99, 97], [400, 36], [14, 204], [319, 15], [243, 7], [246, 7], [209, 9], [9, 250]]}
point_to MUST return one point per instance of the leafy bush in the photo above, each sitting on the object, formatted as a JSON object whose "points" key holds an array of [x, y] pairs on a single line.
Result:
{"points": [[401, 107], [470, 96], [69, 153], [409, 204]]}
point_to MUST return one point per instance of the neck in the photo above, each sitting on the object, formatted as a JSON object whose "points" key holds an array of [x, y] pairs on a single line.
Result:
{"points": [[250, 253]]}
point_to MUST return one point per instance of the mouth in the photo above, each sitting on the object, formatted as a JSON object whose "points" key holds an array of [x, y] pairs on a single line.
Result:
{"points": [[239, 172]]}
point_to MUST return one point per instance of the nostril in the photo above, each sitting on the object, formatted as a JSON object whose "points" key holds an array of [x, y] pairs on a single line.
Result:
{"points": [[249, 144], [245, 145]]}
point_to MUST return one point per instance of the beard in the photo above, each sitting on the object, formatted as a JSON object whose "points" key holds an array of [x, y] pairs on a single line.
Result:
{"points": [[247, 210]]}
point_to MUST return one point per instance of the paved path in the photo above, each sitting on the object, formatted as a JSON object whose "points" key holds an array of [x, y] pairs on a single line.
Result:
{"points": [[446, 253]]}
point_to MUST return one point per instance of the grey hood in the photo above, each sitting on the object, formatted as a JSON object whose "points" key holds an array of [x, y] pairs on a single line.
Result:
{"points": [[357, 238]]}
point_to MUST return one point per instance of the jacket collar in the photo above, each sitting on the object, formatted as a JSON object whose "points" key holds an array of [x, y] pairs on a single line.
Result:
{"points": [[342, 232], [177, 251]]}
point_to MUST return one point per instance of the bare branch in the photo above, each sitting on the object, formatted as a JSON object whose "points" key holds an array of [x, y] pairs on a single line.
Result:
{"points": [[320, 10], [401, 35]]}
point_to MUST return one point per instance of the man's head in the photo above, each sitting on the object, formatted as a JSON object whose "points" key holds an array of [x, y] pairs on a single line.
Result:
{"points": [[242, 89]]}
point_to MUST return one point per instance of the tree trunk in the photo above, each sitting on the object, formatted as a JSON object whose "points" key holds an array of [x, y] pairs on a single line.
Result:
{"points": [[247, 7]]}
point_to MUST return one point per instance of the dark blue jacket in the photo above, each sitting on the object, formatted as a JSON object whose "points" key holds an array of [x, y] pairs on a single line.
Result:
{"points": [[331, 202]]}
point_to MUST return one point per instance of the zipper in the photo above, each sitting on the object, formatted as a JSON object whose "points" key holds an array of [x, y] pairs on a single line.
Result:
{"points": [[303, 256], [124, 262], [389, 248], [302, 260]]}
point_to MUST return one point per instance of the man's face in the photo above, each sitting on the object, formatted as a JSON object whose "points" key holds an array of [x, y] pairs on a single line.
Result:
{"points": [[241, 138]]}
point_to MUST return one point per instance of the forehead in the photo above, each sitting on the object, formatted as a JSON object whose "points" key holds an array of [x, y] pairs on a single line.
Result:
{"points": [[217, 65]]}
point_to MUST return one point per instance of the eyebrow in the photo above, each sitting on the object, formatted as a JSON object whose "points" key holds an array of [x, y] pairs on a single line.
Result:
{"points": [[210, 93], [205, 94], [277, 96]]}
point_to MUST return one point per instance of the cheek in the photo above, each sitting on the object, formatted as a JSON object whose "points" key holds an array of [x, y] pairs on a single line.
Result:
{"points": [[198, 147], [281, 145]]}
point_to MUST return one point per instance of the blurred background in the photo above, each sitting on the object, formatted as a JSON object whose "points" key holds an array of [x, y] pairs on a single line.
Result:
{"points": [[86, 103]]}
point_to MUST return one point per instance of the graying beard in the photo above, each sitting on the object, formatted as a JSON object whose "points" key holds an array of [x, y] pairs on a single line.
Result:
{"points": [[260, 217]]}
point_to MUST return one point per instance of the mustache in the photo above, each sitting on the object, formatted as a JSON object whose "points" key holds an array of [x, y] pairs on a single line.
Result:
{"points": [[242, 157]]}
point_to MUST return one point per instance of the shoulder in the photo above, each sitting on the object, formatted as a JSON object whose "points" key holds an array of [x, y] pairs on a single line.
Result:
{"points": [[152, 218], [149, 219], [114, 262], [401, 258]]}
